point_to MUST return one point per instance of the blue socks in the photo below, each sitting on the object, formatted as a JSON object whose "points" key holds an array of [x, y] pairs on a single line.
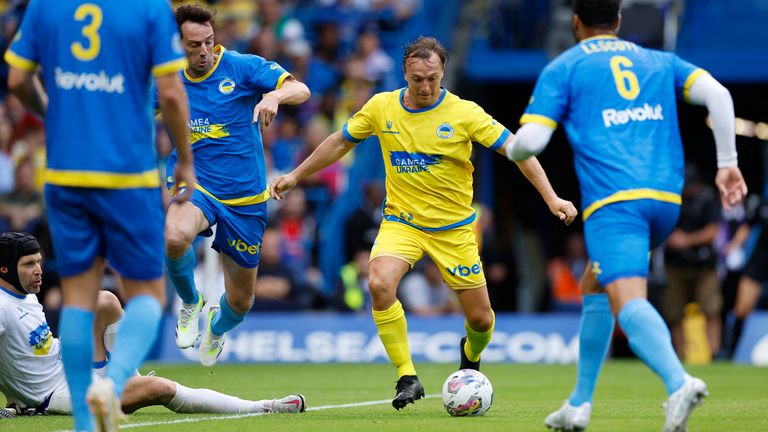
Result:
{"points": [[595, 330], [76, 355], [225, 319], [649, 338], [135, 338], [181, 273]]}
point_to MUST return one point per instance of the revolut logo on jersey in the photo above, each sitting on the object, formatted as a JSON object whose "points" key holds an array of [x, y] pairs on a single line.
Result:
{"points": [[92, 82], [40, 339], [407, 163], [462, 270], [242, 246], [613, 117]]}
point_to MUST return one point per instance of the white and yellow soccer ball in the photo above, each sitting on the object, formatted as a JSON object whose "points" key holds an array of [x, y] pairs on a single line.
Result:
{"points": [[467, 392]]}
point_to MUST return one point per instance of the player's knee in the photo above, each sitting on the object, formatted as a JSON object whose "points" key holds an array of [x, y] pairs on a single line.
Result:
{"points": [[241, 304], [109, 307], [379, 284], [481, 320], [176, 241], [160, 390]]}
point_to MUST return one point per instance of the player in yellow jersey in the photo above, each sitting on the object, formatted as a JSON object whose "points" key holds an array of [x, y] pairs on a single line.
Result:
{"points": [[426, 136]]}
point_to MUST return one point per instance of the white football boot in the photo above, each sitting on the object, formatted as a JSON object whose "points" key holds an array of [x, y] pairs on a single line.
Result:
{"points": [[679, 405], [569, 417], [105, 406], [211, 345], [187, 325], [290, 404]]}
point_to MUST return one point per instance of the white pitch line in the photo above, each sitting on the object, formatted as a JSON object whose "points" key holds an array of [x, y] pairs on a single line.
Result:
{"points": [[239, 416]]}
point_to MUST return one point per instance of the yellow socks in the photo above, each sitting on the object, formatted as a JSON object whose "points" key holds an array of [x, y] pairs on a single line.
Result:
{"points": [[393, 332], [477, 341]]}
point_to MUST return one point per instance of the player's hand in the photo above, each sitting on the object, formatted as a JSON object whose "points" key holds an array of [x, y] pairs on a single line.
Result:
{"points": [[563, 209], [281, 185], [731, 185], [184, 173], [265, 111]]}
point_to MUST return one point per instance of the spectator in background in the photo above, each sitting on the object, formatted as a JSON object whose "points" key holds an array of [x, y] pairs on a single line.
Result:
{"points": [[378, 65], [752, 239], [354, 294], [363, 224], [298, 233], [564, 272], [331, 177], [691, 262], [22, 208], [275, 287], [272, 18], [424, 293], [287, 146], [6, 160]]}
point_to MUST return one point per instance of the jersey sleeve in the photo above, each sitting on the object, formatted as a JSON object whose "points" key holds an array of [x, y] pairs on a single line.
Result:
{"points": [[484, 130], [685, 75], [24, 52], [3, 313], [166, 53], [550, 97], [361, 125], [262, 75]]}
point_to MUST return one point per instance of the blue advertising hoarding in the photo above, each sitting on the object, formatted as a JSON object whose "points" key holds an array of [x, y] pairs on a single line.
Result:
{"points": [[339, 338]]}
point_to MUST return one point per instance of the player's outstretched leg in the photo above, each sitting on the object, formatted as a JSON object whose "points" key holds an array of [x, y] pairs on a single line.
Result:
{"points": [[181, 273], [680, 404], [569, 417], [290, 404], [408, 390]]}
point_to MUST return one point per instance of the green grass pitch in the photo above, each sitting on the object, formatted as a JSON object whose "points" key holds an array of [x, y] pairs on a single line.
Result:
{"points": [[628, 398]]}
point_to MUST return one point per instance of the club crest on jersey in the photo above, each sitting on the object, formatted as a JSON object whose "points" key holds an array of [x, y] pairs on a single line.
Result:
{"points": [[40, 339], [444, 131], [389, 124], [226, 86]]}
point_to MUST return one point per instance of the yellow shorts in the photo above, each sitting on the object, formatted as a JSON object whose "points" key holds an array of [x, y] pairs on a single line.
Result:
{"points": [[454, 251]]}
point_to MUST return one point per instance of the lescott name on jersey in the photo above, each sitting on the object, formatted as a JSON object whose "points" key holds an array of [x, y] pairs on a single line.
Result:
{"points": [[92, 82], [614, 117]]}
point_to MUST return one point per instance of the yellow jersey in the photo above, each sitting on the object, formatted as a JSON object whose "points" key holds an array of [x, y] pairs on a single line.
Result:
{"points": [[426, 155]]}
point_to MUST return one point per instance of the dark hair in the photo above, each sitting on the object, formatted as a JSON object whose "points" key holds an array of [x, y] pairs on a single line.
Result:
{"points": [[423, 47], [194, 13], [597, 13]]}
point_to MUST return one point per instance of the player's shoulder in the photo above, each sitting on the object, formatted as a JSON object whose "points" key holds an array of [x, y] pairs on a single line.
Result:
{"points": [[385, 98], [456, 102]]}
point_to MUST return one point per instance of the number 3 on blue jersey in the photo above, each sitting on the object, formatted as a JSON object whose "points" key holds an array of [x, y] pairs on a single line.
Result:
{"points": [[90, 31], [626, 80]]}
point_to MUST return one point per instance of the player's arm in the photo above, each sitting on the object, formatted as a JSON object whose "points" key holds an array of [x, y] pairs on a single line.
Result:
{"points": [[328, 152], [26, 86], [709, 92], [530, 140], [292, 92], [533, 171], [175, 109]]}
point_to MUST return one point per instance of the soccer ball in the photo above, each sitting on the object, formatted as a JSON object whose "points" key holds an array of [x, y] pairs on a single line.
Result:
{"points": [[467, 392]]}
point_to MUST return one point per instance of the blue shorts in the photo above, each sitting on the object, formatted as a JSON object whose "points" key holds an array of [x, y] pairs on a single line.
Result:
{"points": [[239, 229], [619, 236], [125, 226]]}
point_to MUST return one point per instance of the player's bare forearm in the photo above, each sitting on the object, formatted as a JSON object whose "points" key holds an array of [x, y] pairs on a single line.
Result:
{"points": [[328, 152], [563, 209], [292, 92], [27, 87], [533, 171]]}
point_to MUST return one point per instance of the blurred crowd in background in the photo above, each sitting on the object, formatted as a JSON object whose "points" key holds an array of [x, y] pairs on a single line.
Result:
{"points": [[316, 246]]}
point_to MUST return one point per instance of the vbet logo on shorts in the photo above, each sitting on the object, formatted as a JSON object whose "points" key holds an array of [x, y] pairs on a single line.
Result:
{"points": [[464, 271], [614, 117], [242, 246], [91, 82]]}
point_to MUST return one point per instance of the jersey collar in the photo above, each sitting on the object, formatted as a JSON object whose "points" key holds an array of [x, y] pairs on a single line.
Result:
{"points": [[13, 294], [602, 36], [419, 110], [218, 48]]}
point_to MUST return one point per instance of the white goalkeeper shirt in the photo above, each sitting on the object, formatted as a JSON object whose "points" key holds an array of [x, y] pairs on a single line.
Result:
{"points": [[30, 362]]}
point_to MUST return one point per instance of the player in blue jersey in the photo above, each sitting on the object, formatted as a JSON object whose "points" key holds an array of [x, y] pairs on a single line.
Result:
{"points": [[102, 185], [618, 105], [231, 97]]}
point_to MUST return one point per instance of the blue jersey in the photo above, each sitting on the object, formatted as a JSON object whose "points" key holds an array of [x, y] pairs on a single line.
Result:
{"points": [[229, 154], [618, 103], [97, 58]]}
